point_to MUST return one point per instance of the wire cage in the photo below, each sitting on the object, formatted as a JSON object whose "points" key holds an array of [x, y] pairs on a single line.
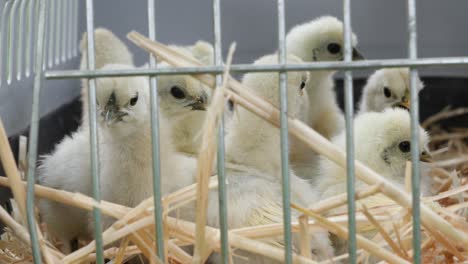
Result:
{"points": [[41, 19]]}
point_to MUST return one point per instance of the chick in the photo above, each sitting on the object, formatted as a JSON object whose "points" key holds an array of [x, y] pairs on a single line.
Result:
{"points": [[124, 156], [173, 89], [387, 88], [66, 168], [126, 142], [109, 49], [321, 40], [383, 142], [248, 133], [318, 40], [254, 160]]}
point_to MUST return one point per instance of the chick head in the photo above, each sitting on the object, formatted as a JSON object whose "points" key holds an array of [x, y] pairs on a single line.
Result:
{"points": [[383, 141], [183, 94], [122, 100], [109, 49], [387, 88], [266, 84], [320, 40]]}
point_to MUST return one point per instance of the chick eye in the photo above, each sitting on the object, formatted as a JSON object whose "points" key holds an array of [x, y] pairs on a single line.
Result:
{"points": [[404, 146], [230, 105], [334, 48], [134, 100], [177, 92], [387, 92], [303, 84]]}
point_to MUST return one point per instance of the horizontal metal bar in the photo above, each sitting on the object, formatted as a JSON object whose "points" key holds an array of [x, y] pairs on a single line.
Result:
{"points": [[355, 65]]}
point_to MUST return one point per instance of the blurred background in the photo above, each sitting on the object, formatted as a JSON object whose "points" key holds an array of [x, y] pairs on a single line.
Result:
{"points": [[380, 26]]}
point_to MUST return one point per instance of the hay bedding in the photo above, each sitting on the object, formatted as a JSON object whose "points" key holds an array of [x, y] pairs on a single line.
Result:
{"points": [[382, 226]]}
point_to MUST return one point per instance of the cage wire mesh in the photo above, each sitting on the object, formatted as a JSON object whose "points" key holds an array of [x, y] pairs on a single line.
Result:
{"points": [[46, 30]]}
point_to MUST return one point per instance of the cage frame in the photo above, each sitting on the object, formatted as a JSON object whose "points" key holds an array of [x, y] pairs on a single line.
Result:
{"points": [[282, 68]]}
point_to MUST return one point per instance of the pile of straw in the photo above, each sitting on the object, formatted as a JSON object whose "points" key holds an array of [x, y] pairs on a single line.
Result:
{"points": [[384, 224]]}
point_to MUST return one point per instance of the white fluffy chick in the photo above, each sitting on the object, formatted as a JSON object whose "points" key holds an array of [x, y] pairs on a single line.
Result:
{"points": [[66, 168], [318, 40], [109, 49], [254, 161], [382, 142], [126, 143], [173, 89], [387, 88], [321, 40], [125, 156]]}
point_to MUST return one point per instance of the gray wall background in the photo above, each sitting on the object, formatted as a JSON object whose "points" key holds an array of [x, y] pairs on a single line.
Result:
{"points": [[379, 24]]}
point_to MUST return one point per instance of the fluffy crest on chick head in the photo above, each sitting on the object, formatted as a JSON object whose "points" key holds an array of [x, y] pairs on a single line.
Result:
{"points": [[319, 40], [266, 84], [387, 88], [383, 140], [122, 100]]}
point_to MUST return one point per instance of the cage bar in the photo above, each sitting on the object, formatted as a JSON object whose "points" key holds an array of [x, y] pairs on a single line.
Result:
{"points": [[11, 39], [93, 132], [349, 109], [58, 31], [20, 43], [414, 112], [222, 195], [155, 138], [51, 33], [3, 33], [242, 68], [34, 132], [29, 54], [284, 135]]}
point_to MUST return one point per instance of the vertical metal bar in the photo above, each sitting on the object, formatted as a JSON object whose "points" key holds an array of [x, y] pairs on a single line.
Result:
{"points": [[21, 32], [414, 112], [222, 195], [11, 40], [350, 179], [29, 37], [34, 132], [155, 138], [70, 29], [3, 32], [284, 135], [50, 33], [93, 132], [58, 22], [76, 11], [63, 14]]}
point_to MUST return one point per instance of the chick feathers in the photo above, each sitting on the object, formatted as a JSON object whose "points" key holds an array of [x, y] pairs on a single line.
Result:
{"points": [[66, 168], [124, 156], [109, 49], [387, 88], [185, 124], [318, 40], [382, 142], [126, 142], [254, 162], [248, 133]]}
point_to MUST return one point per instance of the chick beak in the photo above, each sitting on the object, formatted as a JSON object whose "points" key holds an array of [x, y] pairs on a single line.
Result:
{"points": [[425, 157], [405, 104], [112, 115], [109, 116], [198, 104], [357, 55]]}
